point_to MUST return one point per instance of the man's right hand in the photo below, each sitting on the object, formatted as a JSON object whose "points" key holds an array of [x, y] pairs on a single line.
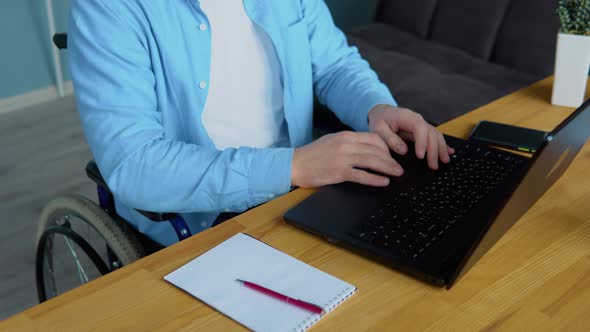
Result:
{"points": [[342, 157]]}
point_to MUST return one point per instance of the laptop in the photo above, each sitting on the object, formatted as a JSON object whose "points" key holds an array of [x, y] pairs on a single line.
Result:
{"points": [[434, 225]]}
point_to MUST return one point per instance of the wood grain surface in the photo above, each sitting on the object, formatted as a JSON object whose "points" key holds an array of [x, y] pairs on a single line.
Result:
{"points": [[536, 278]]}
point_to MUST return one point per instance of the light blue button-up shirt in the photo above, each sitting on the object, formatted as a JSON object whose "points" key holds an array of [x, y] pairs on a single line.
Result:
{"points": [[140, 70]]}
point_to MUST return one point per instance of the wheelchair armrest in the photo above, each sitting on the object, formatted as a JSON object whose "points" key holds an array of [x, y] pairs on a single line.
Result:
{"points": [[157, 217], [94, 174]]}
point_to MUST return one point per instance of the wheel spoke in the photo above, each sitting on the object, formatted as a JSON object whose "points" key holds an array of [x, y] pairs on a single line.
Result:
{"points": [[81, 256], [81, 271]]}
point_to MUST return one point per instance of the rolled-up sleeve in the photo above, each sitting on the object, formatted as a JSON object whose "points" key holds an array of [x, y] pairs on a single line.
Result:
{"points": [[343, 80]]}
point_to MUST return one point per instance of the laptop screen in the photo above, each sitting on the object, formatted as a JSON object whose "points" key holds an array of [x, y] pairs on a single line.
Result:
{"points": [[560, 149]]}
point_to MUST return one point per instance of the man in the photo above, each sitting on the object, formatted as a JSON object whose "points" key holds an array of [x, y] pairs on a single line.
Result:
{"points": [[204, 107]]}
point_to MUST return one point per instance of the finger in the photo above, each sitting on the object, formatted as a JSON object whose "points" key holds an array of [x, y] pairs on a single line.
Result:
{"points": [[372, 157], [406, 135], [393, 141], [366, 178], [387, 166], [432, 148], [443, 149], [372, 139], [421, 138], [374, 151]]}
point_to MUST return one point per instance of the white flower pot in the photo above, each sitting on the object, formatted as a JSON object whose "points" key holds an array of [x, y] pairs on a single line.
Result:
{"points": [[572, 61]]}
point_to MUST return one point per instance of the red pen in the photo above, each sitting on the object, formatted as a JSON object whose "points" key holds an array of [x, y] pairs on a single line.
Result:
{"points": [[298, 303]]}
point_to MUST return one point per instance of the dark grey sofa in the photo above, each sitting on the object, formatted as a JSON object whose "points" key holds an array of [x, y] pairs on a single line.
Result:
{"points": [[443, 58]]}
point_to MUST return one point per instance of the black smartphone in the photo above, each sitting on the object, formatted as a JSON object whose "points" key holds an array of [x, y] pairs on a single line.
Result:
{"points": [[508, 136]]}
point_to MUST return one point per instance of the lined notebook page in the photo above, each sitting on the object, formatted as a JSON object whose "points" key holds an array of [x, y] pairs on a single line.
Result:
{"points": [[211, 278]]}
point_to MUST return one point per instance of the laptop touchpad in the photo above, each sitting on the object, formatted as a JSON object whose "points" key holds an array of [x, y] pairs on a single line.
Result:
{"points": [[336, 207]]}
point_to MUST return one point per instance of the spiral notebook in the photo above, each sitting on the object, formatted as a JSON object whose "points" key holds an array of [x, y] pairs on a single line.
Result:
{"points": [[212, 276]]}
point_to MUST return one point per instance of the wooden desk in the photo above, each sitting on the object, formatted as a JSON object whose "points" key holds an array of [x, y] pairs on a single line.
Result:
{"points": [[537, 277]]}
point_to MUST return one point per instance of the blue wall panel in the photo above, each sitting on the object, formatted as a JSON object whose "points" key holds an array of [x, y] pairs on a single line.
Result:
{"points": [[25, 53], [349, 13]]}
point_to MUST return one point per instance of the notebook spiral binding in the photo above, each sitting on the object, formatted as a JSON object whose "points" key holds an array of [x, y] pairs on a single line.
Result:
{"points": [[331, 305]]}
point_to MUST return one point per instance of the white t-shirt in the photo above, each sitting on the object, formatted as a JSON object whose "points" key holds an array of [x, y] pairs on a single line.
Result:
{"points": [[245, 105]]}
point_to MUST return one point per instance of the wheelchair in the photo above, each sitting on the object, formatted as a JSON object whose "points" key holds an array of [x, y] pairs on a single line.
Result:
{"points": [[78, 240]]}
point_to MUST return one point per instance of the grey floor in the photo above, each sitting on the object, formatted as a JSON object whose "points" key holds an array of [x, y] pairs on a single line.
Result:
{"points": [[42, 154]]}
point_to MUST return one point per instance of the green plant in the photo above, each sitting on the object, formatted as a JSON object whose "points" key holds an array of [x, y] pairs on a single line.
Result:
{"points": [[574, 16]]}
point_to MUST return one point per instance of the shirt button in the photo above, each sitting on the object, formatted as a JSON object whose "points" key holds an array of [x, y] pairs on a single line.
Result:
{"points": [[271, 196], [203, 27], [226, 210], [203, 224], [203, 85]]}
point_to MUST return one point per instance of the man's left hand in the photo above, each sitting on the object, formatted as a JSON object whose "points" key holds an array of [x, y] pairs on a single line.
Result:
{"points": [[393, 124]]}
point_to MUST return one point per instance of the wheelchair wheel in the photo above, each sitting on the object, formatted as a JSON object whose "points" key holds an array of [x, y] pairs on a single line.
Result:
{"points": [[77, 242]]}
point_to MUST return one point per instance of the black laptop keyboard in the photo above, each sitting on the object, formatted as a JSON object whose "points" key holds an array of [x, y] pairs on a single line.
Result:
{"points": [[414, 219]]}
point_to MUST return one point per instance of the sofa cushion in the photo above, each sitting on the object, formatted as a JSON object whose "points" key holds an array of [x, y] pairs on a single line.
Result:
{"points": [[500, 77], [468, 58], [393, 67], [528, 36], [444, 97], [412, 16], [446, 58], [453, 61], [443, 58], [469, 25], [383, 36], [416, 84]]}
